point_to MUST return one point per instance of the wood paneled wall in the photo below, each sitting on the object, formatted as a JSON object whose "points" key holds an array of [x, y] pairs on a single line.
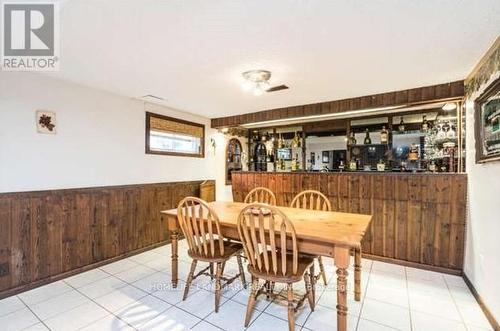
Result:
{"points": [[413, 96], [48, 233], [417, 218]]}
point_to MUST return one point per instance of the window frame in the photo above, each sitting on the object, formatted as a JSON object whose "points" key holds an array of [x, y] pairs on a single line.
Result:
{"points": [[149, 115]]}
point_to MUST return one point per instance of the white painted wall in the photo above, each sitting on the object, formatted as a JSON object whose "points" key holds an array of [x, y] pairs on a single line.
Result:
{"points": [[100, 138], [482, 259]]}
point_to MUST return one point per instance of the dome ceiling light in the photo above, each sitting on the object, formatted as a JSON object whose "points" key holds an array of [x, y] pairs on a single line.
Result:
{"points": [[257, 81]]}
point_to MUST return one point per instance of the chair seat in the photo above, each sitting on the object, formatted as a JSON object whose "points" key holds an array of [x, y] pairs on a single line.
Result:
{"points": [[303, 263], [230, 249]]}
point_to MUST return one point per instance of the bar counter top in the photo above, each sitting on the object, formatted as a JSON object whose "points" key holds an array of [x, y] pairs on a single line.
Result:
{"points": [[394, 172]]}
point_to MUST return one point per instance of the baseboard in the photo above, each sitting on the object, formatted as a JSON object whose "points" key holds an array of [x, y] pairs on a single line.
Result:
{"points": [[487, 312], [25, 287], [455, 272]]}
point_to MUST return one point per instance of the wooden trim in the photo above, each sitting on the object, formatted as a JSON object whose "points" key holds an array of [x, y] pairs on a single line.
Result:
{"points": [[483, 60], [410, 97], [413, 264], [148, 149], [23, 288], [486, 311]]}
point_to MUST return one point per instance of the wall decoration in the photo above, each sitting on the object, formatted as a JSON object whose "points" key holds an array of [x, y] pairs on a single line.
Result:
{"points": [[313, 158], [46, 121], [325, 158], [487, 124]]}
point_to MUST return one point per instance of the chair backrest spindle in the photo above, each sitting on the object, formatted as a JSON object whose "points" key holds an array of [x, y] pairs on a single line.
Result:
{"points": [[261, 195], [265, 232], [311, 199], [201, 228]]}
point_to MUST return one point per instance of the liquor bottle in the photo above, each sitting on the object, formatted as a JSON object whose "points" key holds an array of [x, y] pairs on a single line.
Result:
{"points": [[425, 125], [401, 127], [384, 135], [353, 165], [352, 139], [368, 140], [381, 165], [413, 154], [341, 165], [295, 141], [432, 166], [281, 143]]}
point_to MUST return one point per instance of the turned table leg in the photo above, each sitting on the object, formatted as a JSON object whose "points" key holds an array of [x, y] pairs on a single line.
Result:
{"points": [[357, 274], [342, 257], [174, 237]]}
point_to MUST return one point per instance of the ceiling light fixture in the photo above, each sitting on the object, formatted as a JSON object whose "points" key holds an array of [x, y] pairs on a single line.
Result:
{"points": [[256, 81], [449, 106]]}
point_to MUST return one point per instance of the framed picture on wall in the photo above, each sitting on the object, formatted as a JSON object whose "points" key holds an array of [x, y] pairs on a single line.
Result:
{"points": [[487, 124], [325, 158], [46, 122]]}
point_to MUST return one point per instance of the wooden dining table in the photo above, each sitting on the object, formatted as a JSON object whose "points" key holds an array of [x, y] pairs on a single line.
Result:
{"points": [[320, 233]]}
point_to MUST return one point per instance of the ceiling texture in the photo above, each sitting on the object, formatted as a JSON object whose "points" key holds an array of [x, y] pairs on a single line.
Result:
{"points": [[192, 53]]}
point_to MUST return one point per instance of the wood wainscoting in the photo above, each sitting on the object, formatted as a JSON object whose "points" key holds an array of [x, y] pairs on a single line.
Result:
{"points": [[417, 218], [46, 235]]}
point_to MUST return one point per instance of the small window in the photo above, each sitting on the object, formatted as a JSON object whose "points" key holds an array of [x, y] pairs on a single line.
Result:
{"points": [[171, 136]]}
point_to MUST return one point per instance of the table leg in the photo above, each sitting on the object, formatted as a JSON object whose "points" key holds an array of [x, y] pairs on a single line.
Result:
{"points": [[174, 237], [342, 258], [357, 274]]}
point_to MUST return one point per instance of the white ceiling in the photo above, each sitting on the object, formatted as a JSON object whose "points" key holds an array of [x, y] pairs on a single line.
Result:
{"points": [[192, 53]]}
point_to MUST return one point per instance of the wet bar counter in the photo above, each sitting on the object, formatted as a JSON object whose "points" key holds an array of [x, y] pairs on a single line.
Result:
{"points": [[418, 218]]}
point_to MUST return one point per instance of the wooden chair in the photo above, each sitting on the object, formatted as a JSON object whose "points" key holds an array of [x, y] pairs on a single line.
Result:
{"points": [[270, 245], [313, 200], [261, 195], [201, 228]]}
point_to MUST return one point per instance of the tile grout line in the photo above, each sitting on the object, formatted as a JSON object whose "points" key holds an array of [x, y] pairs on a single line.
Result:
{"points": [[92, 300], [364, 296], [455, 303], [173, 305], [29, 308], [408, 295]]}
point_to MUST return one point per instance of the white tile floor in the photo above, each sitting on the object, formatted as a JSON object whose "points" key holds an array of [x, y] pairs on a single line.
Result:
{"points": [[134, 294]]}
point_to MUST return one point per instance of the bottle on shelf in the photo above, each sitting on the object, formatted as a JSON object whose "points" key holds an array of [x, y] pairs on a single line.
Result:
{"points": [[384, 135], [368, 140], [353, 165], [401, 126], [432, 166], [413, 154], [381, 165], [295, 141], [352, 139], [425, 124], [295, 162], [341, 165], [281, 143]]}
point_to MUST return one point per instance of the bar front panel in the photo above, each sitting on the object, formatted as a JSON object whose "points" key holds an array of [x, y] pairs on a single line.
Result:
{"points": [[418, 218]]}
